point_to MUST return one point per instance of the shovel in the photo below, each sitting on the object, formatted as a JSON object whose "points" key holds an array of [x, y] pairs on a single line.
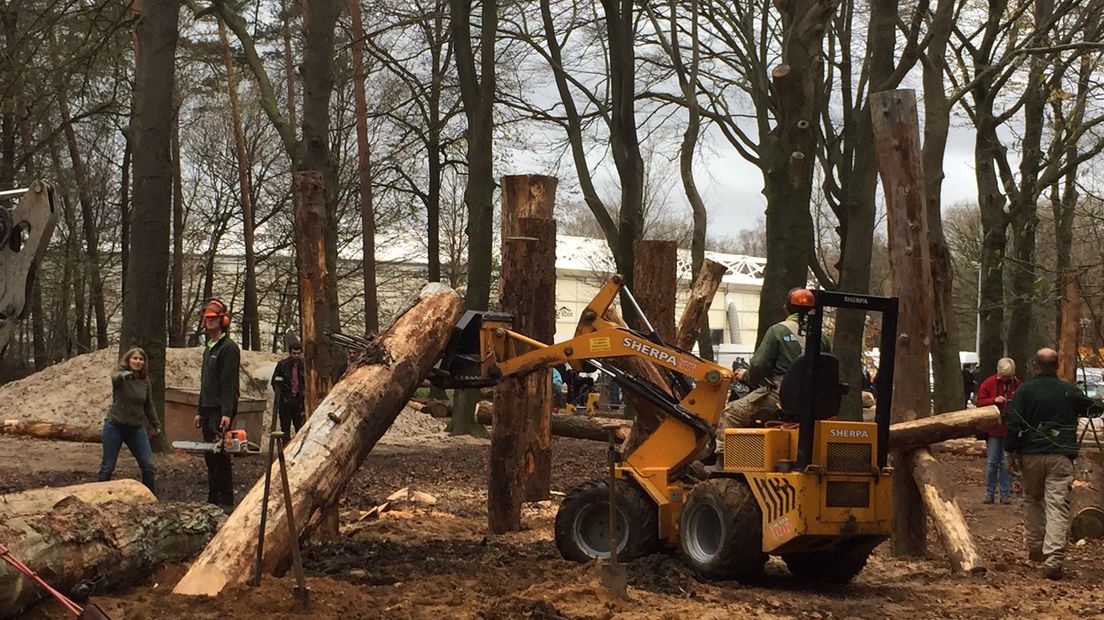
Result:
{"points": [[614, 576]]}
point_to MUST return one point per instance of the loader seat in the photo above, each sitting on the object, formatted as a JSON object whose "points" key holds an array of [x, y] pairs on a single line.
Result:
{"points": [[823, 397]]}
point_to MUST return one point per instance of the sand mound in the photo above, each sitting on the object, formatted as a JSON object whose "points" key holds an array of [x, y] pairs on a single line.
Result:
{"points": [[78, 390]]}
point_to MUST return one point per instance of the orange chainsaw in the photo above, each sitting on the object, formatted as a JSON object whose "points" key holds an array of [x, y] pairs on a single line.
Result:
{"points": [[234, 441]]}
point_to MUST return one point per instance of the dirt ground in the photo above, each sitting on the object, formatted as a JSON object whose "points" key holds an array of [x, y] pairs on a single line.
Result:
{"points": [[437, 561]]}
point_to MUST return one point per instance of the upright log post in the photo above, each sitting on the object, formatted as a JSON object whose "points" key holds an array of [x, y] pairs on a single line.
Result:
{"points": [[528, 291], [1067, 337], [897, 146], [655, 275]]}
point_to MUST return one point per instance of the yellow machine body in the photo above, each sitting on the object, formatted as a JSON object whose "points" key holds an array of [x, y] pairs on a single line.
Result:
{"points": [[841, 495]]}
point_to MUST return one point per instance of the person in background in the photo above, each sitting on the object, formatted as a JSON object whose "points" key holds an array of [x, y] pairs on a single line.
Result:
{"points": [[1042, 444], [998, 390], [218, 400], [969, 385], [288, 386], [131, 419]]}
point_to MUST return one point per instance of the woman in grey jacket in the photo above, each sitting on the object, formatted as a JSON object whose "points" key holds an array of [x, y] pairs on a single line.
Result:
{"points": [[126, 422]]}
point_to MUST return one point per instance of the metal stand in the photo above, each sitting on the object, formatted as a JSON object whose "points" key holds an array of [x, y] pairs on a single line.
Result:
{"points": [[276, 446]]}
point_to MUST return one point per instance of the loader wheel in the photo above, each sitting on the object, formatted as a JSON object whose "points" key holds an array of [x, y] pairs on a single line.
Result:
{"points": [[835, 567], [582, 522], [721, 531]]}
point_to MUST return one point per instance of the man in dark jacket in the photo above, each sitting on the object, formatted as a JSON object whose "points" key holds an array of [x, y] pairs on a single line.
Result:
{"points": [[782, 344], [218, 399], [1042, 443], [288, 385]]}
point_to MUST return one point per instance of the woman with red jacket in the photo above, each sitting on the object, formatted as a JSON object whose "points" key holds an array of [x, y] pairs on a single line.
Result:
{"points": [[998, 390]]}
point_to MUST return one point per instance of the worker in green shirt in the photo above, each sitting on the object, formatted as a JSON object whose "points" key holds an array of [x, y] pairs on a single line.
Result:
{"points": [[1041, 446], [783, 343], [218, 399]]}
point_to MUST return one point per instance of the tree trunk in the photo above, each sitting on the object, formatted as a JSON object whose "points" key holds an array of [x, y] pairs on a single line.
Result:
{"points": [[704, 287], [58, 431], [145, 307], [176, 302], [250, 328], [289, 62], [788, 154], [326, 452], [77, 541], [912, 434], [896, 134], [42, 501], [525, 404], [656, 272], [124, 204], [949, 523], [1087, 497], [364, 173], [937, 122], [1067, 337], [994, 237]]}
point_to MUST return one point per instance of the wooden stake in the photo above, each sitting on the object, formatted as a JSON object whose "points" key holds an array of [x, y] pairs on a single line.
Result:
{"points": [[950, 525], [702, 291], [1067, 337], [897, 145], [655, 275]]}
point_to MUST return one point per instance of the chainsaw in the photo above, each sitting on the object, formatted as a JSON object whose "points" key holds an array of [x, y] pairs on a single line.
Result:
{"points": [[233, 442]]}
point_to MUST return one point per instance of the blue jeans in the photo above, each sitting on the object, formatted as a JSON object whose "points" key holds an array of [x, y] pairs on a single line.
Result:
{"points": [[135, 438], [994, 467]]}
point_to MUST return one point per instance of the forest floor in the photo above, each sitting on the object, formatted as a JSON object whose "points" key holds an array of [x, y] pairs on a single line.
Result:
{"points": [[437, 561]]}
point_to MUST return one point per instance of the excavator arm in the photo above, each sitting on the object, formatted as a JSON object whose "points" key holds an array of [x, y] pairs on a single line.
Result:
{"points": [[25, 231]]}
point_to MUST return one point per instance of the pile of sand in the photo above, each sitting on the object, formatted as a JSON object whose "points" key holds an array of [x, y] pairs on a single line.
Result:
{"points": [[78, 390]]}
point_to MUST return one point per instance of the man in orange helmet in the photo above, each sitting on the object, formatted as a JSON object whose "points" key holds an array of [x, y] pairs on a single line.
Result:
{"points": [[218, 399], [783, 343]]}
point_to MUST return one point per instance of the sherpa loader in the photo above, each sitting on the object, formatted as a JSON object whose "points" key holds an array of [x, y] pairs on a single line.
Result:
{"points": [[810, 488]]}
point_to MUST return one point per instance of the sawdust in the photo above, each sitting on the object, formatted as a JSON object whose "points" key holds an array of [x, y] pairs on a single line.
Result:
{"points": [[78, 390]]}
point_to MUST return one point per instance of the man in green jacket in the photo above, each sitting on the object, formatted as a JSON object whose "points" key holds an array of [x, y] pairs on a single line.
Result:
{"points": [[218, 399], [1042, 444], [783, 343]]}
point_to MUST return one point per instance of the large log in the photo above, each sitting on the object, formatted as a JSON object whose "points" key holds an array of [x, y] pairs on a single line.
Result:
{"points": [[941, 506], [1087, 497], [912, 434], [573, 426], [76, 540], [655, 278], [41, 501], [59, 431], [335, 440]]}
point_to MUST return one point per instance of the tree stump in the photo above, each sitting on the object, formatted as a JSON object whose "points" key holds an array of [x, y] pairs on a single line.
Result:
{"points": [[1087, 497]]}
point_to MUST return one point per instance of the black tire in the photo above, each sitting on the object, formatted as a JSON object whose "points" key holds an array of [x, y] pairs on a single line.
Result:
{"points": [[582, 522], [721, 531], [835, 567]]}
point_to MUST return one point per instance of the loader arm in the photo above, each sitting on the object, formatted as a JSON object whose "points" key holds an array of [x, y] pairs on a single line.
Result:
{"points": [[25, 232], [688, 426]]}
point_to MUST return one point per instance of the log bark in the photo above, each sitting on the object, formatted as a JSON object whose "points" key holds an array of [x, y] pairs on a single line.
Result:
{"points": [[941, 506], [59, 431], [1087, 497], [702, 291], [325, 454], [77, 540], [41, 501], [913, 434], [655, 275], [896, 128], [576, 427]]}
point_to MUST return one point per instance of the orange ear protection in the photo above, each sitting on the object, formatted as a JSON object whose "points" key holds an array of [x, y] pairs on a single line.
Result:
{"points": [[216, 307]]}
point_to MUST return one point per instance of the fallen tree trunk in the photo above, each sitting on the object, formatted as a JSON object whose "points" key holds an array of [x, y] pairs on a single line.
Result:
{"points": [[906, 436], [76, 540], [432, 406], [1087, 497], [941, 506], [50, 430], [562, 425], [41, 501], [335, 440]]}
